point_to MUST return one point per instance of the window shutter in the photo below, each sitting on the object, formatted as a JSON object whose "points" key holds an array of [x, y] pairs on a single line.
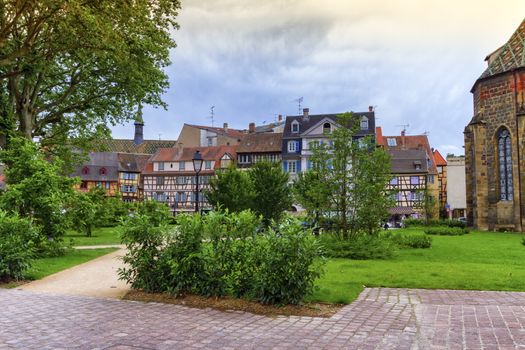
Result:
{"points": [[298, 166], [285, 167], [298, 146]]}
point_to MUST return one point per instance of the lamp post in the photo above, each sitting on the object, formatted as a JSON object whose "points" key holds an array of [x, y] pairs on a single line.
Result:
{"points": [[197, 165]]}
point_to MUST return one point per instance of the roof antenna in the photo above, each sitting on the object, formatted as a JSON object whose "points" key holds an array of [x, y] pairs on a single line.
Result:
{"points": [[405, 127], [212, 115], [299, 101], [160, 135]]}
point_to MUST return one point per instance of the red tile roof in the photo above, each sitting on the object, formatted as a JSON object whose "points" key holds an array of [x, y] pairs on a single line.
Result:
{"points": [[412, 142], [261, 143], [186, 153], [440, 161]]}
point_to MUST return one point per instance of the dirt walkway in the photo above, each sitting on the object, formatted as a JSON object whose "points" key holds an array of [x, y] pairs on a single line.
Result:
{"points": [[95, 278]]}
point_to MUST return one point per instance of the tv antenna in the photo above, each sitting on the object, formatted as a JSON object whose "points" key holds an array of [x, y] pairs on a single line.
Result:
{"points": [[212, 115], [404, 126], [299, 101], [160, 134]]}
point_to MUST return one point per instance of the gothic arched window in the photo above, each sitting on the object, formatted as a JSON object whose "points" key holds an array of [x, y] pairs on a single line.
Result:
{"points": [[505, 165]]}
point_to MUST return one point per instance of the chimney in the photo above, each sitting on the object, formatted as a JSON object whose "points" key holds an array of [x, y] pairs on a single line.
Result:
{"points": [[225, 127], [251, 128], [139, 132], [403, 132], [280, 117], [305, 113], [370, 108]]}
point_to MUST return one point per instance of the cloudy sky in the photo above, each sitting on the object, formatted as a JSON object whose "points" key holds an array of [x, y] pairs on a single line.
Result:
{"points": [[414, 60]]}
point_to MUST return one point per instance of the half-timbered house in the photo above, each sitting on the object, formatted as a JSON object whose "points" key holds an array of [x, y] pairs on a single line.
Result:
{"points": [[169, 176], [441, 165], [130, 167], [259, 147], [100, 170]]}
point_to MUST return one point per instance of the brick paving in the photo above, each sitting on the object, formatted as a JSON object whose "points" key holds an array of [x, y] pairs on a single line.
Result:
{"points": [[381, 318]]}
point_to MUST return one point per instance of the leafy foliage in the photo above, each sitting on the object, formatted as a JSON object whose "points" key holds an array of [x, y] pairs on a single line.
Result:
{"points": [[36, 189], [18, 238], [362, 247], [446, 231], [273, 267], [443, 222], [312, 193], [232, 190], [412, 241]]}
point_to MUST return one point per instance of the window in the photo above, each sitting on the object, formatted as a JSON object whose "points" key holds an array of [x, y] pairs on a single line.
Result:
{"points": [[182, 165], [414, 180], [160, 181], [505, 165], [83, 185], [161, 166], [108, 184], [327, 128], [295, 127], [160, 196], [129, 176], [292, 166], [313, 144], [292, 146], [391, 142], [210, 141], [244, 158], [364, 124], [431, 179], [393, 182], [85, 170], [128, 189], [207, 164], [181, 180], [103, 171]]}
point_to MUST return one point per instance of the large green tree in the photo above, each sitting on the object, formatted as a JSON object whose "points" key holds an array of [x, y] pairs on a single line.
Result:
{"points": [[70, 68], [231, 189]]}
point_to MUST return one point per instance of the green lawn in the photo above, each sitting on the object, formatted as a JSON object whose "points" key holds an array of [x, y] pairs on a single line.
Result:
{"points": [[477, 261], [48, 266], [101, 235]]}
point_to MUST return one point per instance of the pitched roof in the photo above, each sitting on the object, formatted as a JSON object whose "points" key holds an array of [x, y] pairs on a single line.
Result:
{"points": [[440, 161], [509, 56], [313, 119], [130, 162], [261, 143], [129, 146], [101, 166], [412, 142], [234, 133], [269, 127], [186, 153], [405, 161]]}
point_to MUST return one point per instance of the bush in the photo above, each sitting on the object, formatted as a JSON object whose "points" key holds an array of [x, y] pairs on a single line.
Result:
{"points": [[446, 231], [17, 246], [432, 222], [290, 265], [412, 241], [362, 247], [273, 267]]}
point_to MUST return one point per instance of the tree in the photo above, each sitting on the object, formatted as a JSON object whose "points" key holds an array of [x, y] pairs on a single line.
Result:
{"points": [[35, 188], [232, 189], [356, 174], [70, 68], [312, 193], [272, 193], [83, 212]]}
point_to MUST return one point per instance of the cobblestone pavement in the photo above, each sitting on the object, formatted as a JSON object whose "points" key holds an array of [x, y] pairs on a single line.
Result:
{"points": [[381, 318]]}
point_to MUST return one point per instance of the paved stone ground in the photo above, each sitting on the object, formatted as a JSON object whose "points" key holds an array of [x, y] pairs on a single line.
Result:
{"points": [[380, 319]]}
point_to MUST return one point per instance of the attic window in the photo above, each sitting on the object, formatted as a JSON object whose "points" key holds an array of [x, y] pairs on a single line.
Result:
{"points": [[85, 170], [327, 128], [364, 123], [391, 142], [417, 165], [295, 126], [103, 171]]}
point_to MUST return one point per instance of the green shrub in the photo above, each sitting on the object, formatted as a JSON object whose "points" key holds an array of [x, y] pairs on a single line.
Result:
{"points": [[446, 231], [290, 264], [17, 246], [423, 222], [363, 247], [412, 241], [523, 241], [148, 265]]}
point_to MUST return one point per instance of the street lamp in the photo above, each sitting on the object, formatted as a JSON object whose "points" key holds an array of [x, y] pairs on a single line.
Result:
{"points": [[197, 165]]}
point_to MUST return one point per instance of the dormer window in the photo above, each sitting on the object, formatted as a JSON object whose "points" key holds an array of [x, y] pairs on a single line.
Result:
{"points": [[417, 165], [364, 123], [391, 142], [327, 128], [103, 171], [295, 126], [85, 170]]}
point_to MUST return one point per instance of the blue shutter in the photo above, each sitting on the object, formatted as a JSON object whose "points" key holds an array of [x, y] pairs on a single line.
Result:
{"points": [[298, 146], [298, 166], [285, 166]]}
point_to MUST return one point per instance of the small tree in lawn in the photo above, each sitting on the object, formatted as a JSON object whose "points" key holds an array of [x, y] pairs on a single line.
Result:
{"points": [[84, 211], [272, 193], [355, 174], [312, 193], [232, 189]]}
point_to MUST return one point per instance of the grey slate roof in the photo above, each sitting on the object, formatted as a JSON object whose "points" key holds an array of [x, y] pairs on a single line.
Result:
{"points": [[313, 119], [404, 161]]}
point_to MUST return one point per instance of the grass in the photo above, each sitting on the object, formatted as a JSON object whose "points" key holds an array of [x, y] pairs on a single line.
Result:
{"points": [[476, 261], [100, 236], [47, 266]]}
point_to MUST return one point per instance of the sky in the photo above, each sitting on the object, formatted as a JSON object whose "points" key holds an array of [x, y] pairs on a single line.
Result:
{"points": [[415, 61]]}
